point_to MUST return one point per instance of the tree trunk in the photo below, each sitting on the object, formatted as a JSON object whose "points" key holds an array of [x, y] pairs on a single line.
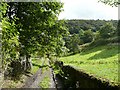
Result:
{"points": [[28, 63]]}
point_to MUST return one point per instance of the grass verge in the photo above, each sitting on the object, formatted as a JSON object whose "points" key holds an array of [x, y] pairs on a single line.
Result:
{"points": [[37, 63], [101, 61], [45, 82]]}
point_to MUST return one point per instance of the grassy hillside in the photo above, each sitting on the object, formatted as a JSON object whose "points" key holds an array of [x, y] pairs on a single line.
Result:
{"points": [[101, 61]]}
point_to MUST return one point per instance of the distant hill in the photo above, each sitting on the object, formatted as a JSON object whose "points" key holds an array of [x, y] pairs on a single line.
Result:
{"points": [[75, 25]]}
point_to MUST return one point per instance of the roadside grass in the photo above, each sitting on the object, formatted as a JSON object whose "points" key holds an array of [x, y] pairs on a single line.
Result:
{"points": [[37, 63], [45, 82], [101, 61], [45, 66], [14, 84]]}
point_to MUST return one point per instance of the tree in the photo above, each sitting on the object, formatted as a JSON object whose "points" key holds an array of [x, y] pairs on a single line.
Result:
{"points": [[9, 36], [9, 40], [3, 7], [87, 36], [107, 30], [72, 42], [36, 29], [111, 2], [81, 34]]}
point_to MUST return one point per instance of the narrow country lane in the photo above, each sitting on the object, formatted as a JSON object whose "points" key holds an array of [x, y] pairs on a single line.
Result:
{"points": [[34, 81]]}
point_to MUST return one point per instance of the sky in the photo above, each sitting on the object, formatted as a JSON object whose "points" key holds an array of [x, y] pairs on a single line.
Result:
{"points": [[88, 9]]}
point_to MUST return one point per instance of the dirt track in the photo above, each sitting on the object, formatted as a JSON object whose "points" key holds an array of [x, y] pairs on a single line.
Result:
{"points": [[34, 80]]}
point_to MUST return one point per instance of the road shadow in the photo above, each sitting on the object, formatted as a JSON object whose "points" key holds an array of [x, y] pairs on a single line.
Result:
{"points": [[105, 53], [40, 66], [91, 50]]}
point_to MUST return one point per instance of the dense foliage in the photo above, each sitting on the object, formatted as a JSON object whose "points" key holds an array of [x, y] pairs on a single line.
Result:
{"points": [[33, 29], [111, 2], [76, 25], [30, 28], [88, 31]]}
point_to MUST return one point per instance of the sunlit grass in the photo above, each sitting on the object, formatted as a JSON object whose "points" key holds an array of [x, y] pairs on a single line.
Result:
{"points": [[45, 82], [36, 65], [101, 61]]}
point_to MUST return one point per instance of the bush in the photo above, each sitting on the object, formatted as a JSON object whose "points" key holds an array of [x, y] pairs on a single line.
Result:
{"points": [[14, 70]]}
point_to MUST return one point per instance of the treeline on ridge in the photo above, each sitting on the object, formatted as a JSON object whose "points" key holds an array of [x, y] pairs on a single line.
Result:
{"points": [[85, 32]]}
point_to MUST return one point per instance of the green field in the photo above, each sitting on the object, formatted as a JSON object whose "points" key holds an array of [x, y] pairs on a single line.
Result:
{"points": [[101, 61]]}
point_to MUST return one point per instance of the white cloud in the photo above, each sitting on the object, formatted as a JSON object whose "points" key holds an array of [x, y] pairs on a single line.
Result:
{"points": [[87, 9]]}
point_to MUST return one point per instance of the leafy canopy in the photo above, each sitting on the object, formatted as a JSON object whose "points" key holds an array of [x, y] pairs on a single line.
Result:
{"points": [[111, 2]]}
